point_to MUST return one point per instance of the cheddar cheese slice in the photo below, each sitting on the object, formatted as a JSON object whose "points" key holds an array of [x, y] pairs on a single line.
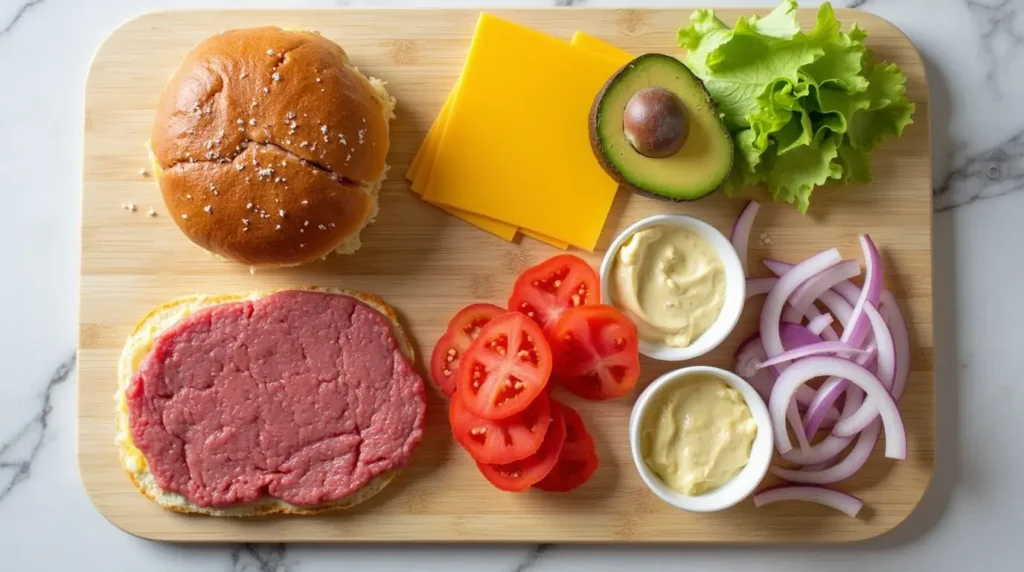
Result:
{"points": [[515, 146], [585, 41]]}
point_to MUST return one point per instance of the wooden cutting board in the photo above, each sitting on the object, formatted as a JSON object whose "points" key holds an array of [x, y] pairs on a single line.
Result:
{"points": [[428, 265]]}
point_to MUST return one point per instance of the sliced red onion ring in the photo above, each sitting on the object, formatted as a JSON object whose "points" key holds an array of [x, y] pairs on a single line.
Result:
{"points": [[804, 296], [812, 313], [758, 286], [847, 290], [838, 306], [740, 236], [820, 323], [793, 416], [809, 368], [751, 353], [771, 314], [796, 336], [885, 356], [831, 446], [820, 466], [886, 373], [825, 450], [777, 267], [820, 348], [842, 470], [762, 381], [890, 311], [857, 329], [748, 355], [844, 503]]}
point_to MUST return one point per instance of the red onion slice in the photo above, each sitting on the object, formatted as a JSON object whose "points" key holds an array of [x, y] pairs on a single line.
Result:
{"points": [[857, 329], [740, 236], [844, 503], [819, 323], [777, 267], [831, 446], [796, 336], [838, 306], [758, 286], [804, 296], [890, 311], [771, 314], [825, 450], [748, 355], [762, 381], [809, 368], [886, 373], [885, 365], [842, 470], [751, 353], [820, 466], [820, 348], [848, 290]]}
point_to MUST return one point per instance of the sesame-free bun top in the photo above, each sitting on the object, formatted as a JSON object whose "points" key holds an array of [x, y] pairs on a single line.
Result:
{"points": [[269, 146]]}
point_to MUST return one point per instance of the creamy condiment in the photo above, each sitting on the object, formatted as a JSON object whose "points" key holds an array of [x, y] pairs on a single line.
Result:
{"points": [[670, 282], [696, 435]]}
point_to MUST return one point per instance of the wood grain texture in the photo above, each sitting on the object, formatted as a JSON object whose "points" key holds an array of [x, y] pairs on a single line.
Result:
{"points": [[428, 264]]}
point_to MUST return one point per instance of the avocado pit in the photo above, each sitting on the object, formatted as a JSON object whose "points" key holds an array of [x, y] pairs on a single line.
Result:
{"points": [[655, 122]]}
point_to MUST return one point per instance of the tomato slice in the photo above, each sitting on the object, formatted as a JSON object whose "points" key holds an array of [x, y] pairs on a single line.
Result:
{"points": [[462, 330], [521, 475], [595, 349], [505, 368], [544, 292], [578, 459], [505, 441]]}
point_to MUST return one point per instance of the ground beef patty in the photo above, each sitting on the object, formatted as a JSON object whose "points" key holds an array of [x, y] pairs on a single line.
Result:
{"points": [[303, 396]]}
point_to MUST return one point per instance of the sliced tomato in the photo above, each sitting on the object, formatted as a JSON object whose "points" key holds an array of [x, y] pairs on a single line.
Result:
{"points": [[544, 292], [521, 475], [505, 368], [462, 330], [595, 349], [499, 442], [578, 459]]}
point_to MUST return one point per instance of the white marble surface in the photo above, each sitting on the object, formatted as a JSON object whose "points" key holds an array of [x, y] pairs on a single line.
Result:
{"points": [[971, 517]]}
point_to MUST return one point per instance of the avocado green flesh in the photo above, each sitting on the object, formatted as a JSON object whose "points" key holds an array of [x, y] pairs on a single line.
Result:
{"points": [[704, 160]]}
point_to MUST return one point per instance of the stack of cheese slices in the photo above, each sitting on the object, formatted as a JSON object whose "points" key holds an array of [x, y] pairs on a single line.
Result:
{"points": [[509, 152]]}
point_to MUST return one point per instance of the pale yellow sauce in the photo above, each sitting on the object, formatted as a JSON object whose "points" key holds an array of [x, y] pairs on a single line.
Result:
{"points": [[696, 435], [670, 282]]}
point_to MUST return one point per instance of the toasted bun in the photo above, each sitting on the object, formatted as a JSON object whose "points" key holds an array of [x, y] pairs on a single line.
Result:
{"points": [[137, 347], [269, 147]]}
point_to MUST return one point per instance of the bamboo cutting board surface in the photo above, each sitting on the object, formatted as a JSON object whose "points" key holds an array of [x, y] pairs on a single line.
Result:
{"points": [[428, 264]]}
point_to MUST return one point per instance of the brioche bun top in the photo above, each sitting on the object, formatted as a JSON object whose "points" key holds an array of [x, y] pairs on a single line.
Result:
{"points": [[269, 146]]}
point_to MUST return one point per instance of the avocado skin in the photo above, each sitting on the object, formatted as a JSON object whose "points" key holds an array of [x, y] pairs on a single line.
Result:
{"points": [[609, 167]]}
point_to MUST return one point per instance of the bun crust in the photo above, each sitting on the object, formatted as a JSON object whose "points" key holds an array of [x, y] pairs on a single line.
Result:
{"points": [[261, 130], [137, 347]]}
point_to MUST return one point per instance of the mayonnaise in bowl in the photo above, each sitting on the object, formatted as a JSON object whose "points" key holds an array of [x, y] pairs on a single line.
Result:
{"points": [[701, 438], [679, 281]]}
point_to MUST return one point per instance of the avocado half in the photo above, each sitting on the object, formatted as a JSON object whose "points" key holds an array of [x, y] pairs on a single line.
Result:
{"points": [[702, 163]]}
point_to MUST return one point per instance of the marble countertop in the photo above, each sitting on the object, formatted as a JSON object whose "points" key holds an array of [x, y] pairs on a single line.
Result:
{"points": [[971, 515]]}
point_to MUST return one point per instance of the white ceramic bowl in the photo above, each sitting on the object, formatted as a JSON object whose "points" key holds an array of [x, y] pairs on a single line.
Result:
{"points": [[744, 483], [735, 286]]}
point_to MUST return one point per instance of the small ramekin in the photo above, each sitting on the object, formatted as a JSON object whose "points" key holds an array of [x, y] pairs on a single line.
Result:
{"points": [[744, 483], [735, 286]]}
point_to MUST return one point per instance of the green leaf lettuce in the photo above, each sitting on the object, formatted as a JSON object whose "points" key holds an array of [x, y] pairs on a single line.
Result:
{"points": [[803, 107]]}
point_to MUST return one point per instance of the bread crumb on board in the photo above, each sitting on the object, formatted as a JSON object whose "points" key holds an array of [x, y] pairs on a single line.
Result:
{"points": [[765, 239]]}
